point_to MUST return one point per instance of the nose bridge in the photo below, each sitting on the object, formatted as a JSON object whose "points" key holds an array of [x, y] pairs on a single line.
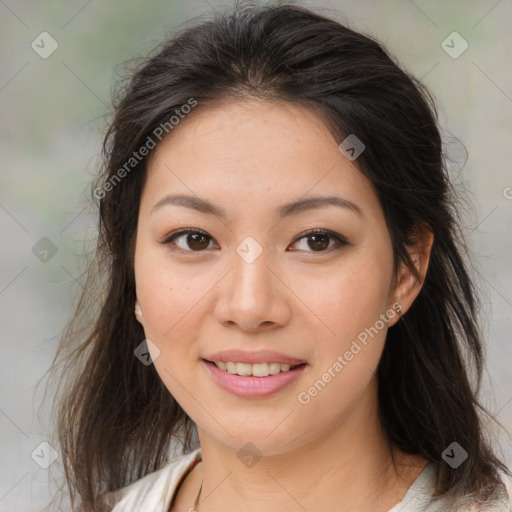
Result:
{"points": [[251, 295], [252, 280]]}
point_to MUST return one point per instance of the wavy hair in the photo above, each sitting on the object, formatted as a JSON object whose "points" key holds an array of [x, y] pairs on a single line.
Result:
{"points": [[116, 419]]}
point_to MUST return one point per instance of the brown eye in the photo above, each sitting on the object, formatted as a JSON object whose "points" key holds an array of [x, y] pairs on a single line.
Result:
{"points": [[189, 240], [320, 241], [193, 240], [196, 241]]}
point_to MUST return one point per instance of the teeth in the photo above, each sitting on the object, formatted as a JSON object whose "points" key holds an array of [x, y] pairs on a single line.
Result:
{"points": [[260, 370], [274, 368], [243, 368], [255, 370]]}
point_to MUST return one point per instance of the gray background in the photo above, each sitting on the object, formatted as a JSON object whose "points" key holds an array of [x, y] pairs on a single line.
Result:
{"points": [[55, 111]]}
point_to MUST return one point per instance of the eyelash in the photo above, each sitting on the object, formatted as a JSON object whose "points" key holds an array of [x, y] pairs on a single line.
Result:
{"points": [[334, 236]]}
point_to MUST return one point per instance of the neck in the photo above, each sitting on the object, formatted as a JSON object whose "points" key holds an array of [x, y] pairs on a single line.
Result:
{"points": [[348, 469]]}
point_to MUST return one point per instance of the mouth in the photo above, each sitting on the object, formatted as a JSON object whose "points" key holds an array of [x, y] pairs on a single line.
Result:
{"points": [[256, 380], [254, 370]]}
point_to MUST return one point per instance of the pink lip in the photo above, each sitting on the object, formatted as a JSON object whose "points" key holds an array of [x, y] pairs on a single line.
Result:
{"points": [[253, 387], [265, 356]]}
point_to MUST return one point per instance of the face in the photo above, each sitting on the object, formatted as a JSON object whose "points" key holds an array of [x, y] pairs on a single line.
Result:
{"points": [[233, 268]]}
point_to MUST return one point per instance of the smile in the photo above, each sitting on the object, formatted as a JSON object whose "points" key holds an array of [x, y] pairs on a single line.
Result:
{"points": [[257, 380], [255, 370]]}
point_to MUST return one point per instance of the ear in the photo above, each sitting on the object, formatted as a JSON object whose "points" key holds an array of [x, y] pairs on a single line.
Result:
{"points": [[138, 311], [407, 286]]}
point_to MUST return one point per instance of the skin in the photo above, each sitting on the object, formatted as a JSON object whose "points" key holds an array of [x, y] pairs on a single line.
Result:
{"points": [[251, 157]]}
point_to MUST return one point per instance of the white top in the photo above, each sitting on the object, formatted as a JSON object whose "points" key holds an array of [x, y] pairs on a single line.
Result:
{"points": [[155, 491]]}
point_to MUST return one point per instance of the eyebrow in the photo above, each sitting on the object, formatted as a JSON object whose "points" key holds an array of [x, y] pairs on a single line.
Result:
{"points": [[291, 208]]}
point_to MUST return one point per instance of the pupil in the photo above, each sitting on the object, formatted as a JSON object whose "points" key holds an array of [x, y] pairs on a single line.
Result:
{"points": [[198, 241], [195, 244], [317, 244]]}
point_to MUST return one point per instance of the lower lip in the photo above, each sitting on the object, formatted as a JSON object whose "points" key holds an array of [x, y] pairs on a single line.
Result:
{"points": [[253, 387]]}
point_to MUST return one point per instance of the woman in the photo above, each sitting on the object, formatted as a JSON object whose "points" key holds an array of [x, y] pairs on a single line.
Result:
{"points": [[279, 241]]}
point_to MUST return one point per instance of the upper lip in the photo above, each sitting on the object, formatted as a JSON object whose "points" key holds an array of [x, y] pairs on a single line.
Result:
{"points": [[264, 356]]}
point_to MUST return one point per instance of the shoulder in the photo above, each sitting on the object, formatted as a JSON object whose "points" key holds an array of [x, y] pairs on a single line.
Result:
{"points": [[153, 492], [499, 500], [420, 497]]}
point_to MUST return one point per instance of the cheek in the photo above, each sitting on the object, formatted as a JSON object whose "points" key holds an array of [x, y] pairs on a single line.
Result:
{"points": [[168, 296], [353, 296], [171, 304], [351, 305]]}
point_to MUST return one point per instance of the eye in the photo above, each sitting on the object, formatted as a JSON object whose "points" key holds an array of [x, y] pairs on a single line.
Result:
{"points": [[195, 239], [320, 240]]}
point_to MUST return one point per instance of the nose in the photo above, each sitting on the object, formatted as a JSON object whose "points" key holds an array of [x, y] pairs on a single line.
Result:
{"points": [[253, 296]]}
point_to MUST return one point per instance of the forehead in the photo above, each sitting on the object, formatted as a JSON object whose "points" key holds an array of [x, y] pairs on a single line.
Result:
{"points": [[280, 128], [254, 152]]}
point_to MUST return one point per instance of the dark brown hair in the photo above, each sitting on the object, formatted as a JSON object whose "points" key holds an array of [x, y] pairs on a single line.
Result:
{"points": [[116, 419]]}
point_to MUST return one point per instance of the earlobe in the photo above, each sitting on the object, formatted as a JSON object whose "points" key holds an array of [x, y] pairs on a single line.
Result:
{"points": [[138, 311]]}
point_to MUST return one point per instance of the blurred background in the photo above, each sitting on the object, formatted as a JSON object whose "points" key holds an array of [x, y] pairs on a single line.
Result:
{"points": [[59, 62]]}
